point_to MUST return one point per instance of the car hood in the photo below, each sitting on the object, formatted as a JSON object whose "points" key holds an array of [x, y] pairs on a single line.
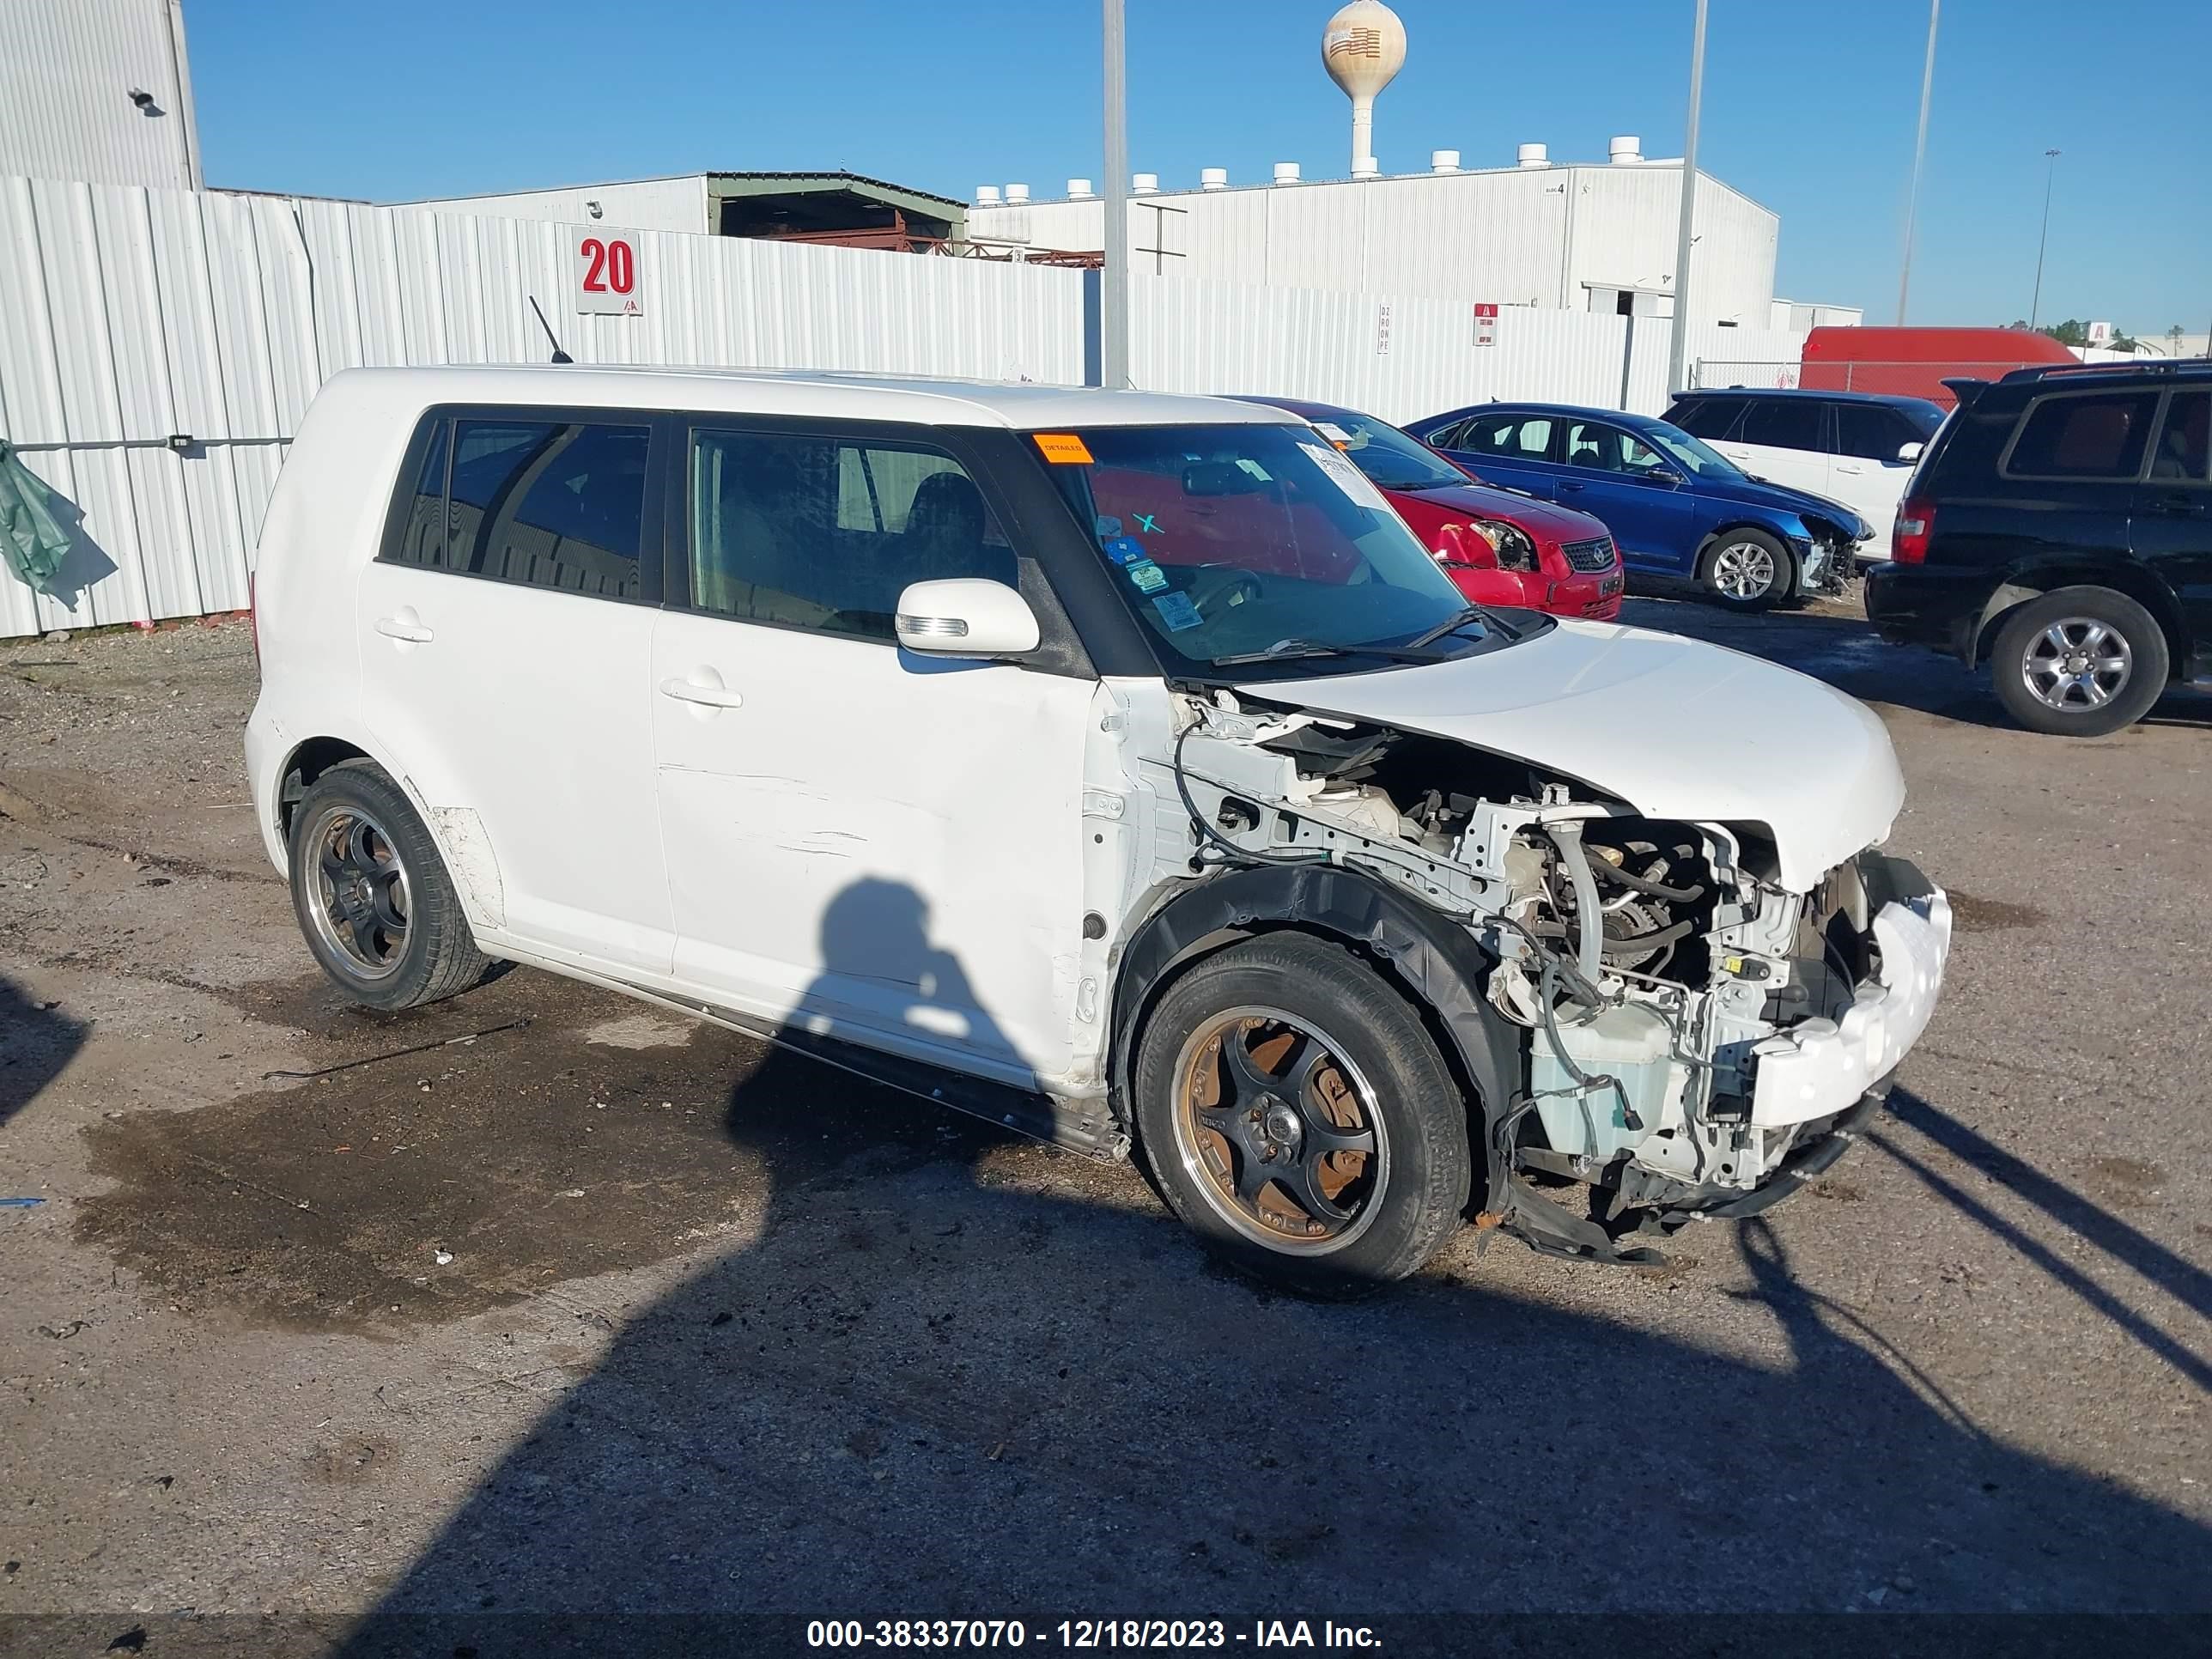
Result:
{"points": [[1542, 519], [1674, 727], [1755, 492]]}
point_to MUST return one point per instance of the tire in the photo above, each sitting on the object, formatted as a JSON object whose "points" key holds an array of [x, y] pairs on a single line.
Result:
{"points": [[371, 895], [1358, 1072], [2057, 671], [1747, 570]]}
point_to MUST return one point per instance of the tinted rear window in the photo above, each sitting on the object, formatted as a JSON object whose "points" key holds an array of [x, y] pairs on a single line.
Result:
{"points": [[2101, 435], [546, 504], [1707, 417], [1781, 423]]}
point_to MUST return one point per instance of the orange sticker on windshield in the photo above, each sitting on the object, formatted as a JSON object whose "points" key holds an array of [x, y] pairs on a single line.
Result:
{"points": [[1063, 448]]}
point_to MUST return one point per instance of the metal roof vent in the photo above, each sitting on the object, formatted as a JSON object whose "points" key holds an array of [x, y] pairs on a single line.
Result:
{"points": [[1286, 172], [1443, 161], [1626, 151], [1533, 155], [986, 196], [1213, 178], [1017, 193], [1079, 190], [1144, 184]]}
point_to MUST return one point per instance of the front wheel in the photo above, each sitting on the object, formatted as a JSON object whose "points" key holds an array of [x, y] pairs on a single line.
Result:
{"points": [[1747, 570], [2080, 662], [1295, 1112]]}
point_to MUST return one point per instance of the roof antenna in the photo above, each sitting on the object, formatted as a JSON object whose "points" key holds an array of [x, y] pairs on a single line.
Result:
{"points": [[559, 355]]}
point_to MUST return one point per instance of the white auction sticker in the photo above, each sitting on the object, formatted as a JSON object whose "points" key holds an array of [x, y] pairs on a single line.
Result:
{"points": [[1348, 477]]}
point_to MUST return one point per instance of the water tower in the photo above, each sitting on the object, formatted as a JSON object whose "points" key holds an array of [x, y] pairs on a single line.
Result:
{"points": [[1363, 48]]}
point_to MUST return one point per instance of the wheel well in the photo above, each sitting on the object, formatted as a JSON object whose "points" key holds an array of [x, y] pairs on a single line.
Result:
{"points": [[2137, 584], [1199, 951], [309, 762]]}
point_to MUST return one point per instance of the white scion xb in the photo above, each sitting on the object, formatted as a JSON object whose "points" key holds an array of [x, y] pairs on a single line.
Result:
{"points": [[1115, 765]]}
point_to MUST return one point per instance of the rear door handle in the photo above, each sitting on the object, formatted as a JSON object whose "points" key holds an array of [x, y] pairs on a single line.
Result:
{"points": [[1568, 484], [1852, 472], [405, 626], [2181, 505], [707, 697]]}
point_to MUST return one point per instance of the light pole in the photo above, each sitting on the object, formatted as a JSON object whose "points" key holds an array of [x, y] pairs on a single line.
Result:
{"points": [[1679, 346], [1919, 159], [2051, 178], [1114, 280]]}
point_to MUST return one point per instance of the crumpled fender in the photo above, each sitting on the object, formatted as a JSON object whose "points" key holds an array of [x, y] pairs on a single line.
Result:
{"points": [[1439, 964]]}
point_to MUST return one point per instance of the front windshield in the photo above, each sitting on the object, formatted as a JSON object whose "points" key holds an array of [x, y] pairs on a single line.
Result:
{"points": [[1249, 542], [1695, 458], [1387, 455]]}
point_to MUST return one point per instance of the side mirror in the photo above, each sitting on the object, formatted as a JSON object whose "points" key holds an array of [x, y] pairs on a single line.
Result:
{"points": [[966, 616], [1663, 475], [1910, 451]]}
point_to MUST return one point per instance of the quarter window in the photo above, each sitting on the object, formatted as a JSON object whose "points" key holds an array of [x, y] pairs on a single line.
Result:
{"points": [[821, 533], [1781, 423], [545, 503], [2098, 436]]}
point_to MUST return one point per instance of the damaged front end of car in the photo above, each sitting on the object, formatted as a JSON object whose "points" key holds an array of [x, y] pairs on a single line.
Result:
{"points": [[1644, 1006]]}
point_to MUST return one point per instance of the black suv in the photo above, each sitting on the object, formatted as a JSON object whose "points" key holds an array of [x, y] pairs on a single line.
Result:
{"points": [[2060, 527]]}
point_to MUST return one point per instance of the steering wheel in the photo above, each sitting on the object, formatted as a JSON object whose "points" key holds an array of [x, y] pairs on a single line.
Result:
{"points": [[1210, 582]]}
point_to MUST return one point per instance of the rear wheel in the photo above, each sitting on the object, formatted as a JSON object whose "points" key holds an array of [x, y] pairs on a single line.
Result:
{"points": [[2080, 662], [1296, 1115], [1747, 570], [372, 895]]}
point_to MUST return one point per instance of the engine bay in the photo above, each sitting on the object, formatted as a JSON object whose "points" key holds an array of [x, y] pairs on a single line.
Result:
{"points": [[1641, 963]]}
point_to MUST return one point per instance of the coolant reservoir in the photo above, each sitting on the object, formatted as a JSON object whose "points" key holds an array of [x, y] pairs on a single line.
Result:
{"points": [[1629, 1042]]}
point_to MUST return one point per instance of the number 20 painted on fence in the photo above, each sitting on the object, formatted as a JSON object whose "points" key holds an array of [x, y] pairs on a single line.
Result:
{"points": [[605, 275]]}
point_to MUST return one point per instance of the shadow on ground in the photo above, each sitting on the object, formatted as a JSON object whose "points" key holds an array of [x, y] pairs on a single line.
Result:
{"points": [[1845, 652], [37, 1041], [948, 1384]]}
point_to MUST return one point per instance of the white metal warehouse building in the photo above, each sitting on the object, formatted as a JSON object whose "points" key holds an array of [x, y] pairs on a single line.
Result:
{"points": [[1590, 238]]}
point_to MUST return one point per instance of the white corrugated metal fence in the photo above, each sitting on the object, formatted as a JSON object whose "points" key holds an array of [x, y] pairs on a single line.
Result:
{"points": [[133, 320], [130, 315]]}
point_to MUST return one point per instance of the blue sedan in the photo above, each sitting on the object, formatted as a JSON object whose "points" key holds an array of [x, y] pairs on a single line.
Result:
{"points": [[1675, 507]]}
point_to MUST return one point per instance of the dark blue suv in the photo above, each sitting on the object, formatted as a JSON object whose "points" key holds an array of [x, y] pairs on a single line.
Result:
{"points": [[1675, 507]]}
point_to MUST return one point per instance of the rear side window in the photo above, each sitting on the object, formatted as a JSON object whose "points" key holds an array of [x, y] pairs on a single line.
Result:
{"points": [[1509, 437], [545, 503], [1873, 433], [1708, 418], [825, 533], [2183, 451], [1781, 423], [2099, 435]]}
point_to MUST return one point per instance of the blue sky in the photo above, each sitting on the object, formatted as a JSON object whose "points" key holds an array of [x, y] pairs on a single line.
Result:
{"points": [[1809, 108]]}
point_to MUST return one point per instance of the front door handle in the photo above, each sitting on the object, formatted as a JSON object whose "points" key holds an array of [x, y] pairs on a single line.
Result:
{"points": [[1852, 472], [1568, 485], [2181, 506], [406, 626], [707, 697]]}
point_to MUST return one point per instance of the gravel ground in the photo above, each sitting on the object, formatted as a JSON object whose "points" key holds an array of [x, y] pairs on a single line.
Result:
{"points": [[581, 1309]]}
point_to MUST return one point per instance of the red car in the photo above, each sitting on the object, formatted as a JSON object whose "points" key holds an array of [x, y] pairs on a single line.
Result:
{"points": [[1501, 548]]}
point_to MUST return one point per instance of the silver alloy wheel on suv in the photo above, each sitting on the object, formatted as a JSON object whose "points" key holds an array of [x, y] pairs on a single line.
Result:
{"points": [[2080, 662], [2077, 663]]}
